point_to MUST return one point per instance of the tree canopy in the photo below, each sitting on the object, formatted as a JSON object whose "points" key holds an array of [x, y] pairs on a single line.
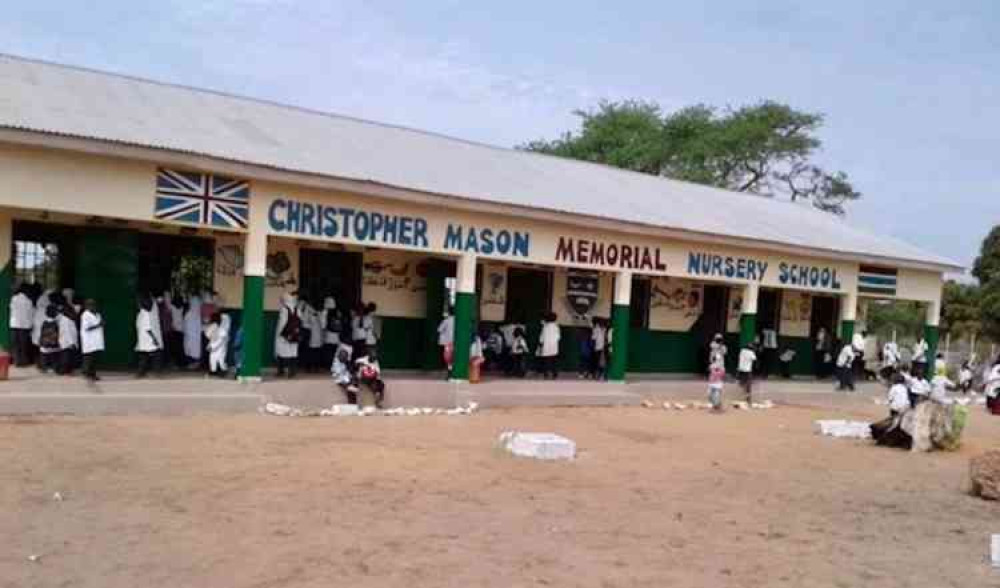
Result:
{"points": [[765, 148]]}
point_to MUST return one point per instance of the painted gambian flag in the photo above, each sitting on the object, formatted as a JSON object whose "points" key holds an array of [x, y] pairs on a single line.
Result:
{"points": [[879, 281]]}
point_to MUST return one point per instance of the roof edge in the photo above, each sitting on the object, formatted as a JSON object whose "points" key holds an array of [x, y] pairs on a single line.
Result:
{"points": [[263, 172]]}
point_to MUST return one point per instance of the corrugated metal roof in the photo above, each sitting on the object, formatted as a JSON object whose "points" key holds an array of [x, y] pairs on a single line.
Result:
{"points": [[50, 98]]}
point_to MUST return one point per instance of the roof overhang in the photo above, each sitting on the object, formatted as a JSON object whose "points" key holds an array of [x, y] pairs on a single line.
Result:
{"points": [[254, 171]]}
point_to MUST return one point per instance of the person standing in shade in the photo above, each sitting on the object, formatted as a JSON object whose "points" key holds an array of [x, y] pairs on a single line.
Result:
{"points": [[358, 333], [919, 360], [192, 331], [333, 325], [821, 353], [69, 340], [548, 346], [769, 339], [599, 341], [446, 339], [91, 339], [175, 331], [48, 339], [287, 336], [149, 338], [217, 333], [22, 318]]}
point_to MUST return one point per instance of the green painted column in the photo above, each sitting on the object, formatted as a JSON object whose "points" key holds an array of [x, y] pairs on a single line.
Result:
{"points": [[846, 331], [931, 335], [254, 287], [465, 304], [6, 278], [748, 328], [253, 327], [621, 327]]}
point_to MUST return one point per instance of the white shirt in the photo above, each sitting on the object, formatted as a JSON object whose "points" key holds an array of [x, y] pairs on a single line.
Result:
{"points": [[548, 340], [890, 355], [858, 342], [146, 323], [920, 387], [747, 357], [446, 331], [176, 318], [939, 389], [770, 339], [22, 312], [598, 336], [846, 356], [91, 334], [899, 398], [920, 351], [993, 381], [68, 337], [476, 349]]}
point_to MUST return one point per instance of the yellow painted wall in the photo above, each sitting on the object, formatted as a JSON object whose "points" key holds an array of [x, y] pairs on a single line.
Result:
{"points": [[544, 238], [59, 181], [391, 279]]}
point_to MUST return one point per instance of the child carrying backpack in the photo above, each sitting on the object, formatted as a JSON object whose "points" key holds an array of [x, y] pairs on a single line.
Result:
{"points": [[48, 340]]}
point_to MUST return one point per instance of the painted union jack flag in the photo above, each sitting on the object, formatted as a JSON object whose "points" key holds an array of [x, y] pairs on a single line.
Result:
{"points": [[204, 199]]}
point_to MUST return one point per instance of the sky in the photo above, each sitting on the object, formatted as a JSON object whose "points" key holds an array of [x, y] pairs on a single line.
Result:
{"points": [[910, 90]]}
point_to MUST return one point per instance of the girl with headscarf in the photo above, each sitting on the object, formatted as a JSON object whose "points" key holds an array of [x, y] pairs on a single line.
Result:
{"points": [[193, 330], [332, 324]]}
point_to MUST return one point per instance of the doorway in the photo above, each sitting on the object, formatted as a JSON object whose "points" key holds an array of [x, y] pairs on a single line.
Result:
{"points": [[162, 256], [715, 304], [768, 303], [325, 273], [529, 297], [825, 310]]}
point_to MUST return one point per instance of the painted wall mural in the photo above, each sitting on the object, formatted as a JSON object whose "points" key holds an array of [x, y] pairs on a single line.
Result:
{"points": [[796, 314], [493, 298], [674, 305]]}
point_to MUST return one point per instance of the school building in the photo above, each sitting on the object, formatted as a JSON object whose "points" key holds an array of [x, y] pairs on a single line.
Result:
{"points": [[108, 184]]}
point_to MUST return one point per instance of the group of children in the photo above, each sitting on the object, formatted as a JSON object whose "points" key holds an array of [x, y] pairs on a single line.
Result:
{"points": [[310, 333], [56, 330], [505, 348]]}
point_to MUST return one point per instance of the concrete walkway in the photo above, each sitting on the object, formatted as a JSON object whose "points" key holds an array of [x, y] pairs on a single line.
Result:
{"points": [[29, 392]]}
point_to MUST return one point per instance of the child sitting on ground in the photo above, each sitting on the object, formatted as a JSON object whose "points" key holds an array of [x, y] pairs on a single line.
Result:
{"points": [[342, 373], [369, 373]]}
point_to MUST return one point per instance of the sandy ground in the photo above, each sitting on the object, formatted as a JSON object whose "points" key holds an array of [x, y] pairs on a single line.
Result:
{"points": [[656, 499]]}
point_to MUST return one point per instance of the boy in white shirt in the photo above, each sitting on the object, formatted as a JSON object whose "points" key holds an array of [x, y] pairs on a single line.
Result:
{"points": [[548, 346], [91, 339], [149, 337], [899, 396], [48, 339], [22, 318], [745, 370], [845, 368]]}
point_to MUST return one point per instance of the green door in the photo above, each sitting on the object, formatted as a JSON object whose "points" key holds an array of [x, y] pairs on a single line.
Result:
{"points": [[107, 271]]}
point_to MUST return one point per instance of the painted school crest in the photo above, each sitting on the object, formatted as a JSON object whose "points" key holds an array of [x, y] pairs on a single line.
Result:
{"points": [[582, 291]]}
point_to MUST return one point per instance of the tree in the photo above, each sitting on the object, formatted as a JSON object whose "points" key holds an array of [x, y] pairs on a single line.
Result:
{"points": [[961, 306], [986, 268], [765, 148]]}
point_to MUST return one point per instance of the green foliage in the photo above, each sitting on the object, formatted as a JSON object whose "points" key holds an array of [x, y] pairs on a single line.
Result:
{"points": [[763, 148], [193, 275], [987, 266], [960, 309], [905, 317]]}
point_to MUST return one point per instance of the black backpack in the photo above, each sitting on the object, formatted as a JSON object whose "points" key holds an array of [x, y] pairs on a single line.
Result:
{"points": [[49, 337], [292, 329]]}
